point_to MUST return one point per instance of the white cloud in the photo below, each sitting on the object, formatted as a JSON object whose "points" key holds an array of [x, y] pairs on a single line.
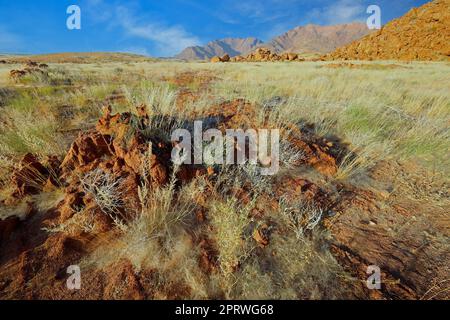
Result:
{"points": [[169, 39], [98, 10], [262, 11], [346, 10], [342, 11]]}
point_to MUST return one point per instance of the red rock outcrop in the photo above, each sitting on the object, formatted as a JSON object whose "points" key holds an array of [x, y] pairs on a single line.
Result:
{"points": [[260, 55]]}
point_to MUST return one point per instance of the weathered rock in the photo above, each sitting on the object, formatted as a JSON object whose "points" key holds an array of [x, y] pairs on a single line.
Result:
{"points": [[238, 59], [259, 55], [89, 147], [225, 58], [123, 283], [292, 56], [266, 55], [261, 235], [366, 233]]}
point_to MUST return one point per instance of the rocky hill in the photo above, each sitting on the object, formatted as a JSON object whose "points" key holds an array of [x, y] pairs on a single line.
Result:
{"points": [[422, 34]]}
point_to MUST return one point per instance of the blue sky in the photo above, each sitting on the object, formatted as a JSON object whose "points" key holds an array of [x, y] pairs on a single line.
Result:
{"points": [[163, 28]]}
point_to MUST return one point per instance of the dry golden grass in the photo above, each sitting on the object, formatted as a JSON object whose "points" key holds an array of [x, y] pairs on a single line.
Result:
{"points": [[378, 114]]}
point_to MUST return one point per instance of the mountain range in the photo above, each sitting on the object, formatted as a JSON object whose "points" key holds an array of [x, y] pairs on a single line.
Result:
{"points": [[305, 39], [231, 46]]}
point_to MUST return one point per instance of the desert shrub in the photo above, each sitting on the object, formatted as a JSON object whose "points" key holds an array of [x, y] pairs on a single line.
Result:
{"points": [[160, 101], [296, 264], [232, 177], [159, 98], [157, 238], [28, 125], [107, 193], [229, 220], [300, 216], [304, 269], [58, 76]]}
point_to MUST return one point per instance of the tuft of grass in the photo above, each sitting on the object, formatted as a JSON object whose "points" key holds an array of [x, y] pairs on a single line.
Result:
{"points": [[291, 267], [30, 134], [157, 238], [229, 220]]}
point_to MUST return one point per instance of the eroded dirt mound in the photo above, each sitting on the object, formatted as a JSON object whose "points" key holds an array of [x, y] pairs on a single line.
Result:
{"points": [[260, 55], [126, 154], [122, 151], [422, 34], [122, 145], [123, 155]]}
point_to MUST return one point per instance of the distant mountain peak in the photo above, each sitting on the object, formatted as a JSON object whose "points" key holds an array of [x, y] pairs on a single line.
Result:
{"points": [[231, 46], [318, 39]]}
